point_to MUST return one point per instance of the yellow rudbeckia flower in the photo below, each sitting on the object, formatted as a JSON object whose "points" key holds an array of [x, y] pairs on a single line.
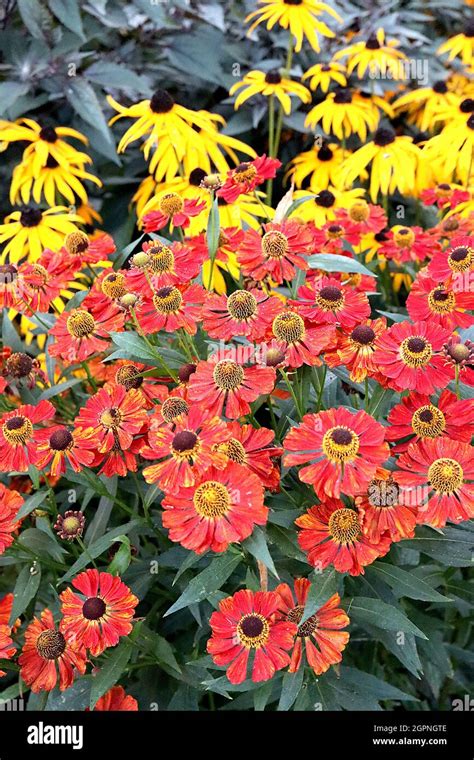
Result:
{"points": [[45, 142], [344, 113], [454, 148], [393, 163], [425, 104], [301, 17], [322, 206], [51, 181], [269, 84], [323, 74], [461, 45], [31, 230], [322, 164], [374, 56]]}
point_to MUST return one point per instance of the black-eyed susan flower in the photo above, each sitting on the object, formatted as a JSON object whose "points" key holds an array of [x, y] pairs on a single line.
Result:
{"points": [[375, 56], [301, 17], [454, 147], [425, 104], [344, 113], [322, 164], [323, 206], [53, 181], [461, 45], [394, 160], [323, 74], [44, 142], [31, 230], [269, 84]]}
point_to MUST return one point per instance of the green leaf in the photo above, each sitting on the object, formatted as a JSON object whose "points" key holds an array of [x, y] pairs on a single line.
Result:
{"points": [[114, 75], [97, 548], [31, 503], [209, 580], [213, 227], [59, 388], [394, 316], [324, 585], [261, 696], [405, 584], [122, 557], [83, 99], [9, 94], [67, 11], [452, 547], [26, 586], [256, 544], [291, 687], [111, 671], [381, 615], [330, 262], [42, 544]]}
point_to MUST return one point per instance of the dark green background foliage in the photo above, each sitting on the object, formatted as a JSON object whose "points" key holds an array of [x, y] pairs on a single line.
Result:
{"points": [[411, 614]]}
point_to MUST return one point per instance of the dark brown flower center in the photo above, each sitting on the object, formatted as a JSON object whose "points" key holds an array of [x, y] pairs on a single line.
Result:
{"points": [[30, 217], [325, 198], [60, 439], [372, 43], [48, 134], [129, 376], [440, 87], [273, 77], [185, 372], [363, 334], [196, 177], [325, 153], [343, 96], [161, 102], [384, 137], [184, 441], [19, 365], [93, 608]]}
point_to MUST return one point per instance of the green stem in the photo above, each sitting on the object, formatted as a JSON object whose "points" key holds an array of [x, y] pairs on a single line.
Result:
{"points": [[321, 388], [86, 551], [292, 393], [152, 348], [89, 376]]}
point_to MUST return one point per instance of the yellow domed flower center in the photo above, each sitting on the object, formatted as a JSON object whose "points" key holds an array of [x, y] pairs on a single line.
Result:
{"points": [[141, 260], [428, 421], [111, 418], [17, 430], [161, 260], [42, 274], [114, 285], [340, 444], [242, 305], [344, 526], [359, 211], [445, 475], [416, 352], [461, 258], [330, 298], [80, 324], [253, 631], [50, 644], [244, 173], [228, 375], [211, 499], [274, 244], [234, 450], [167, 300], [71, 524], [174, 407], [308, 627], [404, 237], [170, 204], [129, 376], [441, 301], [289, 327], [76, 242]]}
